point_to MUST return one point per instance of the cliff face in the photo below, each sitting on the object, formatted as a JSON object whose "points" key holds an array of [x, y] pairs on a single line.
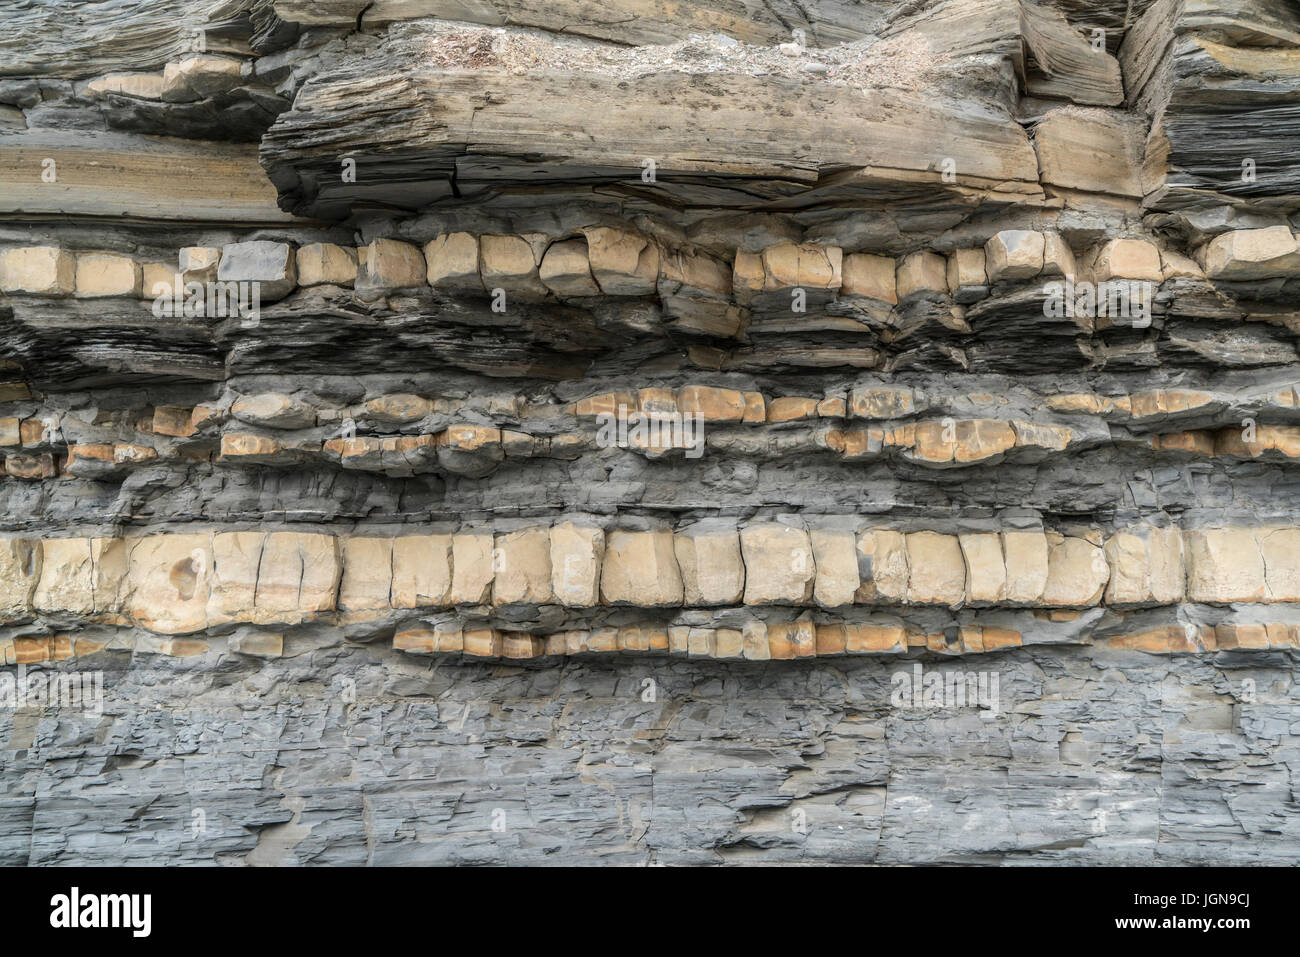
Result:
{"points": [[709, 432]]}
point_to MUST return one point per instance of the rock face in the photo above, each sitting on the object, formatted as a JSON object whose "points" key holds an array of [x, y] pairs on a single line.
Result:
{"points": [[531, 432]]}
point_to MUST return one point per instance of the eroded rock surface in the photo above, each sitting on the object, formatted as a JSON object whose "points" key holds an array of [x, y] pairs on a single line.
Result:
{"points": [[528, 432]]}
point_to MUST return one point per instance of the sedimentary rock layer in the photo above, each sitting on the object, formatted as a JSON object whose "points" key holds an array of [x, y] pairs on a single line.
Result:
{"points": [[643, 424], [580, 564]]}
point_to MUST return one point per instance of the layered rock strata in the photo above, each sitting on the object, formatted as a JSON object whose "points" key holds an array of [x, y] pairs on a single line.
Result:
{"points": [[599, 420]]}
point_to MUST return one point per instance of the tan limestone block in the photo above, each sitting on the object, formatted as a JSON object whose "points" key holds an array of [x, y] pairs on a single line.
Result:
{"points": [[140, 86], [606, 403], [367, 574], [712, 404], [20, 572], [640, 568], [779, 564], [1175, 265], [390, 265], [31, 467], [1039, 435], [297, 577], [169, 582], [38, 271], [1224, 565], [791, 408], [602, 640], [576, 555], [1077, 572], [835, 555], [700, 642], [156, 279], [1026, 557], [1241, 637], [258, 644], [874, 639], [937, 571], [747, 276], [523, 567], [197, 77], [508, 262], [793, 639], [1245, 254], [67, 577], [712, 570], [728, 643], [566, 269], [1125, 259], [199, 263], [325, 263], [472, 567], [421, 571], [175, 421], [921, 272], [1014, 254], [622, 263], [965, 269], [832, 407], [236, 557], [881, 403], [107, 274], [452, 263], [1058, 257], [1146, 566], [482, 643], [995, 638], [690, 274], [1280, 550], [250, 448], [831, 639], [416, 641], [873, 277], [986, 569], [1167, 640], [806, 266], [882, 565], [274, 410], [398, 408], [754, 639]]}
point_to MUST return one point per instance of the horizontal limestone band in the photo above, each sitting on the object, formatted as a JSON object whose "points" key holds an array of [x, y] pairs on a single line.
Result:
{"points": [[764, 641], [752, 640], [476, 450], [189, 581], [35, 449], [617, 262]]}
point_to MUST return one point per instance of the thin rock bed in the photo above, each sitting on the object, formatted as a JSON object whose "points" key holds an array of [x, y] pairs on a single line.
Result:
{"points": [[898, 61]]}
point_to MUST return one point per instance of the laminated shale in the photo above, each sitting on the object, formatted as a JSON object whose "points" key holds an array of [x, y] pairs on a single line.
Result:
{"points": [[697, 433]]}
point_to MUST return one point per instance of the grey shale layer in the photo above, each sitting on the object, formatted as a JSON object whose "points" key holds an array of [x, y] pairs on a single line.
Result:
{"points": [[555, 432]]}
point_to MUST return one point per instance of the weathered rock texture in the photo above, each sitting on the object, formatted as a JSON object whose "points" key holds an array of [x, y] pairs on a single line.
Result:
{"points": [[586, 433]]}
